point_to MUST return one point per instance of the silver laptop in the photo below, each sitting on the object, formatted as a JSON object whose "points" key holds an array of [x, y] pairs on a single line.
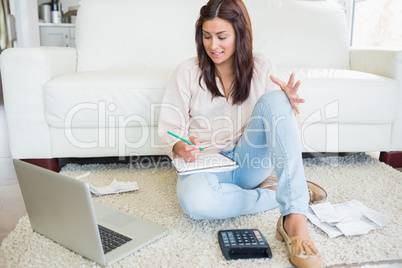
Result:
{"points": [[61, 209]]}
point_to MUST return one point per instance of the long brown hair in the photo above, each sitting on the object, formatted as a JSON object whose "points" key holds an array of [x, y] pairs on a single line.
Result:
{"points": [[235, 12]]}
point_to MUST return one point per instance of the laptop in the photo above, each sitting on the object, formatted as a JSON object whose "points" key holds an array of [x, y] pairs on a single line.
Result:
{"points": [[61, 208]]}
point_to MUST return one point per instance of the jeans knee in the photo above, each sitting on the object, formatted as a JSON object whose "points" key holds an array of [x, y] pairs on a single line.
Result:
{"points": [[277, 101], [196, 210], [193, 198], [275, 97]]}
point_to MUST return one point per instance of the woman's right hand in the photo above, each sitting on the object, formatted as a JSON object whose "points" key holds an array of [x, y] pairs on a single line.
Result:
{"points": [[188, 152]]}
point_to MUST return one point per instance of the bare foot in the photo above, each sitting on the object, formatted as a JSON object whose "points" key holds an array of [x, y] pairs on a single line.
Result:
{"points": [[295, 225]]}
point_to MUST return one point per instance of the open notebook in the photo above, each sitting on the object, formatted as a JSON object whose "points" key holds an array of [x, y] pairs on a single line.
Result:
{"points": [[205, 163]]}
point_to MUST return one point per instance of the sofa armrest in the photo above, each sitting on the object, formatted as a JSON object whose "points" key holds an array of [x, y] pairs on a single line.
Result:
{"points": [[388, 63], [383, 62], [24, 72]]}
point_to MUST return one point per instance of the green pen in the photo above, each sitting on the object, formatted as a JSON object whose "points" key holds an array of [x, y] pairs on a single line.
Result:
{"points": [[186, 141]]}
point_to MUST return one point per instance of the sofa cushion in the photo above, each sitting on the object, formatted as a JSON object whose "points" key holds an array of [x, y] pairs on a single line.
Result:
{"points": [[132, 97], [125, 34], [302, 34], [95, 99], [345, 96], [135, 34]]}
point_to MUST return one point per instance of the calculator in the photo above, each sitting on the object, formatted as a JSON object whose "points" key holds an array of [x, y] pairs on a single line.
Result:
{"points": [[243, 244]]}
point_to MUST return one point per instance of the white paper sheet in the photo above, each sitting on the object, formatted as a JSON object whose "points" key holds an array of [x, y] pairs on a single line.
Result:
{"points": [[114, 188], [326, 212], [354, 218], [332, 231]]}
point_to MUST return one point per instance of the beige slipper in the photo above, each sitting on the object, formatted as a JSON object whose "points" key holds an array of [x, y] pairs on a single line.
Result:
{"points": [[302, 251], [316, 192]]}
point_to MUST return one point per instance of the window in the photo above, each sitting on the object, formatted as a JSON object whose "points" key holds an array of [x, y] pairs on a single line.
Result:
{"points": [[377, 23]]}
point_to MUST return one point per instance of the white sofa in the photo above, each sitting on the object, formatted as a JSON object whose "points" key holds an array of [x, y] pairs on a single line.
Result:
{"points": [[102, 97]]}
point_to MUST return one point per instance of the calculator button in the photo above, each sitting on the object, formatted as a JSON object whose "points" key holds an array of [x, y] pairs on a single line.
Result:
{"points": [[257, 234]]}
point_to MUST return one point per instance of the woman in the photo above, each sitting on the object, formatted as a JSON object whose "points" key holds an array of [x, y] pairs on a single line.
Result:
{"points": [[225, 100]]}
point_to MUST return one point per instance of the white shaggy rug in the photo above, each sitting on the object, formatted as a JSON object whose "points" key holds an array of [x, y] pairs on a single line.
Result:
{"points": [[194, 243]]}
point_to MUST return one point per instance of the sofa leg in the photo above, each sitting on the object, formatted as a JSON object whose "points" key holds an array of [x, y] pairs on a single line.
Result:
{"points": [[394, 159], [48, 163]]}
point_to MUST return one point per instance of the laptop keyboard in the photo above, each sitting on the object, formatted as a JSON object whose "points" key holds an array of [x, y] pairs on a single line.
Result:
{"points": [[111, 240]]}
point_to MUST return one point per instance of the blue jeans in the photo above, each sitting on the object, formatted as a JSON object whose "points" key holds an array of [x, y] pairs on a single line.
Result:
{"points": [[270, 141]]}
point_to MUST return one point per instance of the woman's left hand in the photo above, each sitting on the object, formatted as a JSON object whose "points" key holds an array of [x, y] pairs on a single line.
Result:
{"points": [[290, 89]]}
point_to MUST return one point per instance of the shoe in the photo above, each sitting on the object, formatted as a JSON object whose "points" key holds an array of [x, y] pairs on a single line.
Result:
{"points": [[302, 251], [316, 192], [269, 182]]}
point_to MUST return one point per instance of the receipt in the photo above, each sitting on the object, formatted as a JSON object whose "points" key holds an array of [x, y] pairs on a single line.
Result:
{"points": [[360, 227], [326, 212], [114, 188], [378, 218], [332, 231], [349, 218]]}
